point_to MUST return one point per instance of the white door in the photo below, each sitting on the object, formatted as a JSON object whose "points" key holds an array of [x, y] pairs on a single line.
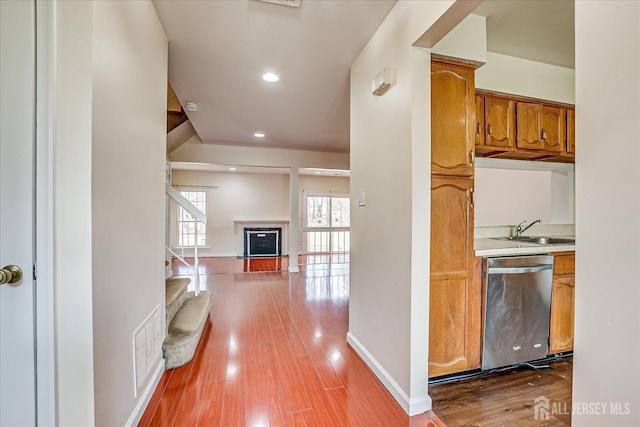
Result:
{"points": [[17, 130]]}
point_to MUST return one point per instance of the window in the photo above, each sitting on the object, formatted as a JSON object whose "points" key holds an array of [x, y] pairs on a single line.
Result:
{"points": [[187, 223], [333, 214], [319, 207]]}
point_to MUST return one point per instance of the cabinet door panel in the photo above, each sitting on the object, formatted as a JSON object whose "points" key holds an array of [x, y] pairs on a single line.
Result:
{"points": [[553, 128], [571, 131], [452, 119], [451, 224], [529, 125], [500, 116], [562, 314], [447, 327], [480, 126], [454, 327]]}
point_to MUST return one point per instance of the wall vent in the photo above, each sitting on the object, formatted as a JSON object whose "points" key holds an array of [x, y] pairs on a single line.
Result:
{"points": [[290, 3], [147, 349]]}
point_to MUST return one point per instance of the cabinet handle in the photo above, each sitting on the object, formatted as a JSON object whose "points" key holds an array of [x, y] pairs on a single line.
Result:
{"points": [[471, 157], [544, 135], [472, 197], [489, 129], [478, 129]]}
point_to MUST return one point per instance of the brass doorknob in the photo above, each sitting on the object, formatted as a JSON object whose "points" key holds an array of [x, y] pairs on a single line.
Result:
{"points": [[10, 274]]}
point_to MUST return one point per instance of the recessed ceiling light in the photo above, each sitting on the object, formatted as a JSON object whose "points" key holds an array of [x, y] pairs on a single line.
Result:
{"points": [[317, 172], [232, 169], [192, 106], [270, 77], [259, 135]]}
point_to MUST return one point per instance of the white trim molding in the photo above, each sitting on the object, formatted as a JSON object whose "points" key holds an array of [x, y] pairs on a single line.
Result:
{"points": [[145, 398], [413, 406]]}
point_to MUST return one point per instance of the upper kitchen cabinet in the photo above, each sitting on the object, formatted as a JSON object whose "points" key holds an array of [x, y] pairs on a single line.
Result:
{"points": [[496, 118], [524, 129], [540, 127], [571, 131], [453, 123]]}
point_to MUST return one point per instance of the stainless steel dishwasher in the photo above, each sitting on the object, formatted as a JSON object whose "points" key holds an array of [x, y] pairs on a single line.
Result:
{"points": [[517, 304]]}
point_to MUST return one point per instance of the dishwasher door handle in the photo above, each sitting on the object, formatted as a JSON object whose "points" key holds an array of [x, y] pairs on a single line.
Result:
{"points": [[517, 269]]}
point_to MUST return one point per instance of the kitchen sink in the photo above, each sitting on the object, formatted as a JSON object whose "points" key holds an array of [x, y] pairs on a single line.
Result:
{"points": [[540, 240]]}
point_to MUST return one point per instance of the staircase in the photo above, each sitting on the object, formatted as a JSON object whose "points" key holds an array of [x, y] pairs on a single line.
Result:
{"points": [[186, 317]]}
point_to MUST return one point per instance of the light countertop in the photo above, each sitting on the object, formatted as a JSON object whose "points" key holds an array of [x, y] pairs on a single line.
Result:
{"points": [[495, 247]]}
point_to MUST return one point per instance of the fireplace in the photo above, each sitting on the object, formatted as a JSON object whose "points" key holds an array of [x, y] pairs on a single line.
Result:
{"points": [[262, 242]]}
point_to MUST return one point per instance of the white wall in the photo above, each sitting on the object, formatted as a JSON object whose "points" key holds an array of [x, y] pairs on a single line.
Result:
{"points": [[502, 73], [237, 196], [607, 322], [196, 151], [388, 309], [72, 258], [247, 196], [518, 76], [509, 196], [468, 41], [128, 200]]}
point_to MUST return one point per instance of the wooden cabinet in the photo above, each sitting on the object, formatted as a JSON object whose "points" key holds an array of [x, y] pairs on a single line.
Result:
{"points": [[562, 303], [454, 313], [480, 124], [554, 126], [529, 126], [571, 131], [525, 129], [500, 119], [541, 127], [454, 308], [452, 118]]}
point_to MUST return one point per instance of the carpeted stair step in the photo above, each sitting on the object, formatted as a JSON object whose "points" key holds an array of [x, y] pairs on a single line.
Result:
{"points": [[176, 293], [185, 329]]}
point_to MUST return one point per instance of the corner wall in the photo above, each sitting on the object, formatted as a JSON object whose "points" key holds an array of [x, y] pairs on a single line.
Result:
{"points": [[607, 322], [128, 198], [71, 193], [388, 309], [247, 196]]}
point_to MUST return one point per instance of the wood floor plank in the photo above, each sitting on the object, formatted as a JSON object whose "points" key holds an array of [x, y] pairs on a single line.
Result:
{"points": [[323, 410], [274, 353], [233, 405], [348, 414], [295, 392], [210, 413], [304, 418], [256, 392], [507, 397], [167, 409], [155, 399]]}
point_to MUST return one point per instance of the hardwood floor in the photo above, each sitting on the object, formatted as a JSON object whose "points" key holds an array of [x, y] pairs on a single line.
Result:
{"points": [[274, 352], [506, 398]]}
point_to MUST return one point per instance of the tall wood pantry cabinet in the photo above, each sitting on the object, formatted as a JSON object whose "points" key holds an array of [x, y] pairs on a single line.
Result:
{"points": [[454, 309]]}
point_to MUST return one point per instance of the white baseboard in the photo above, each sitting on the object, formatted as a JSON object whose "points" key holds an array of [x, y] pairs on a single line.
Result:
{"points": [[294, 269], [145, 398], [413, 406]]}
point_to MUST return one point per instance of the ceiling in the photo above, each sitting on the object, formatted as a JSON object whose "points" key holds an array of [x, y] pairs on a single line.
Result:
{"points": [[218, 51], [538, 30]]}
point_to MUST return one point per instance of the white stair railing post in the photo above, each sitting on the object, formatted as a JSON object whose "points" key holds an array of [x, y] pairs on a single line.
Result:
{"points": [[195, 256], [200, 217]]}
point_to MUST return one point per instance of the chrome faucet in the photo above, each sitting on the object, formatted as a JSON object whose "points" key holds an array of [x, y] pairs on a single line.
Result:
{"points": [[520, 230]]}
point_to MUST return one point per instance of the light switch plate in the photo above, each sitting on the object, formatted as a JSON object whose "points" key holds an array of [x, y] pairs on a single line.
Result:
{"points": [[361, 198]]}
